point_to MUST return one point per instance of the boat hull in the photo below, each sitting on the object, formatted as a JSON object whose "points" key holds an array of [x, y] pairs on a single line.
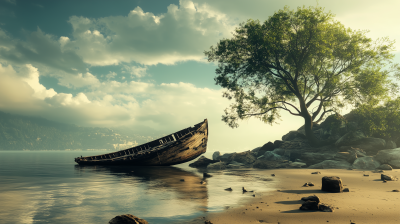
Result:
{"points": [[179, 147]]}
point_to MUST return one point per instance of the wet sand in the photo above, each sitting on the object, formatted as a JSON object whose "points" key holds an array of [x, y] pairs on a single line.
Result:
{"points": [[369, 200]]}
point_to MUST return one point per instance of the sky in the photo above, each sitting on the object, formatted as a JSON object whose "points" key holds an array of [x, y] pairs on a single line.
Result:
{"points": [[139, 64]]}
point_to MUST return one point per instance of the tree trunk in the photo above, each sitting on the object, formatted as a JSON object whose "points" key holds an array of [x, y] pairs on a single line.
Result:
{"points": [[308, 123]]}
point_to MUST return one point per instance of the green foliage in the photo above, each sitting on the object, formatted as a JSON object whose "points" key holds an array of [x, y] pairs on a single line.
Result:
{"points": [[303, 62], [380, 121]]}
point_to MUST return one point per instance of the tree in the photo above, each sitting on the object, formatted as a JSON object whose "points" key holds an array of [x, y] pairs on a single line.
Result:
{"points": [[303, 62]]}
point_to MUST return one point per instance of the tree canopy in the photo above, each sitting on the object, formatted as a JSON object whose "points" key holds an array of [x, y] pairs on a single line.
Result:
{"points": [[303, 62]]}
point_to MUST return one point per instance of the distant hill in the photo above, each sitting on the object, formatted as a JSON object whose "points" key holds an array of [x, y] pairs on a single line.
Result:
{"points": [[32, 133]]}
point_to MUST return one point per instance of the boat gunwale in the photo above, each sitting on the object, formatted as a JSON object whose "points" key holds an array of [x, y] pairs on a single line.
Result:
{"points": [[177, 136]]}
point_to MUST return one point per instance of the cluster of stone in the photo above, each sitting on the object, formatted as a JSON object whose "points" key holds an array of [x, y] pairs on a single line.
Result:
{"points": [[348, 148]]}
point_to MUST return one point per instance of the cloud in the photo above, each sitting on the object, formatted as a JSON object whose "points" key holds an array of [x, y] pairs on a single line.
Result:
{"points": [[39, 49], [181, 34]]}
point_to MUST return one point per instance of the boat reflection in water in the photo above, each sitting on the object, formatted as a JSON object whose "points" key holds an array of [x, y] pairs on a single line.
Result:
{"points": [[157, 185]]}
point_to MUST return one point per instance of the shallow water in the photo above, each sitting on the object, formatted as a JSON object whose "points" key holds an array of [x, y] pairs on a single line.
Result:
{"points": [[47, 187]]}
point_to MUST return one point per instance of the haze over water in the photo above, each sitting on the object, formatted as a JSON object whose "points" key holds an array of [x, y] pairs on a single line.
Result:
{"points": [[47, 187]]}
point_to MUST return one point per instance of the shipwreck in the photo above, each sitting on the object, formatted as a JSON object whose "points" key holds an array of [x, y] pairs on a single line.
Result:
{"points": [[176, 148]]}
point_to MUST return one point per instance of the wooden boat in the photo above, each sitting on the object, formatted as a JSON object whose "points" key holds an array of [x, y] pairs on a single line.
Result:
{"points": [[179, 147]]}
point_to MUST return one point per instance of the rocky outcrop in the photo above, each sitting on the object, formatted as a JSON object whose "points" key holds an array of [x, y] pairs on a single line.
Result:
{"points": [[365, 163], [264, 164], [350, 138], [371, 145], [217, 166], [389, 156], [127, 219], [202, 162], [244, 157], [331, 164], [269, 146]]}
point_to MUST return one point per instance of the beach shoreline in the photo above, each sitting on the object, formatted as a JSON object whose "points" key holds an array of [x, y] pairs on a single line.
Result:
{"points": [[370, 200]]}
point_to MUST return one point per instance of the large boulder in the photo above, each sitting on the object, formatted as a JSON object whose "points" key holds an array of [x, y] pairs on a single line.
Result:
{"points": [[311, 158], [389, 156], [244, 157], [217, 166], [390, 144], [371, 145], [264, 164], [289, 136], [269, 146], [216, 155], [202, 162], [332, 184], [227, 157], [366, 163], [127, 219], [350, 138], [331, 164], [271, 156]]}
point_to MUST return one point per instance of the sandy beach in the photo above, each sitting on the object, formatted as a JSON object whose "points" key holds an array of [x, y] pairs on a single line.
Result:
{"points": [[370, 200]]}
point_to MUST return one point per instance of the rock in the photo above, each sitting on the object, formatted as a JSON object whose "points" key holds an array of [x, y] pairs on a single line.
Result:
{"points": [[326, 208], [290, 136], [208, 222], [365, 163], [348, 156], [389, 156], [228, 189], [346, 190], [182, 180], [311, 158], [127, 219], [264, 164], [350, 138], [216, 155], [227, 157], [269, 146], [297, 165], [235, 165], [385, 167], [271, 156], [272, 175], [203, 182], [331, 164], [395, 190], [371, 145], [310, 184], [311, 198], [205, 175], [244, 157], [316, 172], [332, 184], [217, 166], [309, 205], [387, 177], [244, 190], [390, 144], [202, 162], [277, 143]]}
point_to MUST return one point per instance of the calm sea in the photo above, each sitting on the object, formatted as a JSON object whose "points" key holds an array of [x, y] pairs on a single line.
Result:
{"points": [[47, 187]]}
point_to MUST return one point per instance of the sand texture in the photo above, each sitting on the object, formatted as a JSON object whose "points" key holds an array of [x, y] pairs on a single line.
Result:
{"points": [[370, 200]]}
